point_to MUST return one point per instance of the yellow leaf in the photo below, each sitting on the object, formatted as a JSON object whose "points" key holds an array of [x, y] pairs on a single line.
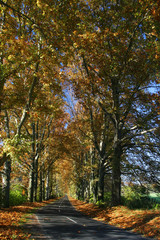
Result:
{"points": [[11, 57], [39, 4]]}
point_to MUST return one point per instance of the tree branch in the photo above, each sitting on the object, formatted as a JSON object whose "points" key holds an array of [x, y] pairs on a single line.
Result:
{"points": [[107, 113], [16, 11], [3, 159], [27, 107]]}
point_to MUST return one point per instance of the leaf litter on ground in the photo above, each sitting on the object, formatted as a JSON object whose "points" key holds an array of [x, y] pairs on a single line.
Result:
{"points": [[13, 218], [145, 222]]}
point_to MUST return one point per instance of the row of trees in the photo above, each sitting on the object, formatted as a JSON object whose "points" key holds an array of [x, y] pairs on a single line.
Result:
{"points": [[107, 54], [32, 107], [115, 78]]}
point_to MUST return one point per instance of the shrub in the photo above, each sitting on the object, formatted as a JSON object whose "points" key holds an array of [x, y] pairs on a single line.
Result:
{"points": [[91, 198], [107, 197], [100, 203], [17, 195], [136, 197], [157, 206], [107, 200]]}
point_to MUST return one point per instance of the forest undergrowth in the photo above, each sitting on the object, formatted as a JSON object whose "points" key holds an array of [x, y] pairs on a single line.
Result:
{"points": [[145, 222]]}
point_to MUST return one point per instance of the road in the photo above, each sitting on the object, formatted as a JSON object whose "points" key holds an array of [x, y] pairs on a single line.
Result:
{"points": [[61, 221]]}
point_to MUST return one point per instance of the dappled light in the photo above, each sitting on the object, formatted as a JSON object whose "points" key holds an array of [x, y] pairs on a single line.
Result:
{"points": [[79, 111], [13, 218], [146, 222]]}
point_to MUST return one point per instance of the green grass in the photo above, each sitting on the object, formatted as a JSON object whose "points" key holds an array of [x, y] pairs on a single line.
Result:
{"points": [[155, 196]]}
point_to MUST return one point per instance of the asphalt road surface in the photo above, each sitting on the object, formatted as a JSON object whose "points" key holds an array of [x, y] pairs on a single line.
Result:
{"points": [[61, 221]]}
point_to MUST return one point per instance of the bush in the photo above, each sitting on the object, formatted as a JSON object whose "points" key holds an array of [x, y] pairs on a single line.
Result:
{"points": [[100, 203], [157, 206], [107, 200], [107, 197], [90, 198], [136, 197], [17, 197]]}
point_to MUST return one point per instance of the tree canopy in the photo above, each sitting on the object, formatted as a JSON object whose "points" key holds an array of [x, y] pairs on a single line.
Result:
{"points": [[79, 96]]}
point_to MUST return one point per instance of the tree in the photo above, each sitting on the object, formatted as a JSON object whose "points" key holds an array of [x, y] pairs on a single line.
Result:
{"points": [[107, 51], [117, 57], [22, 80]]}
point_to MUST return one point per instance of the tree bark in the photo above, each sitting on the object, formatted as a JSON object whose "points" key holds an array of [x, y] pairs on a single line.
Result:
{"points": [[3, 159], [2, 77], [116, 180], [6, 183], [36, 177], [116, 170], [47, 185], [93, 181], [32, 173], [7, 168], [101, 180], [30, 100], [41, 187], [36, 162], [117, 149]]}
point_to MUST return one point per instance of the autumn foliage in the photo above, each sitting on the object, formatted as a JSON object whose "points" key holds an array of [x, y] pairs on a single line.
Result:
{"points": [[79, 97]]}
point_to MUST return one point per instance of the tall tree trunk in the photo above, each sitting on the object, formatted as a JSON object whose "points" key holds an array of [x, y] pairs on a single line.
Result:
{"points": [[2, 73], [117, 150], [47, 185], [101, 180], [116, 171], [32, 173], [32, 184], [93, 181], [36, 160], [7, 168], [86, 178], [41, 187], [116, 180], [82, 180], [36, 177], [51, 182], [6, 183]]}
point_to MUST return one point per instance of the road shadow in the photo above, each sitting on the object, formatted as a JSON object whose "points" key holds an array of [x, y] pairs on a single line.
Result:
{"points": [[58, 220]]}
